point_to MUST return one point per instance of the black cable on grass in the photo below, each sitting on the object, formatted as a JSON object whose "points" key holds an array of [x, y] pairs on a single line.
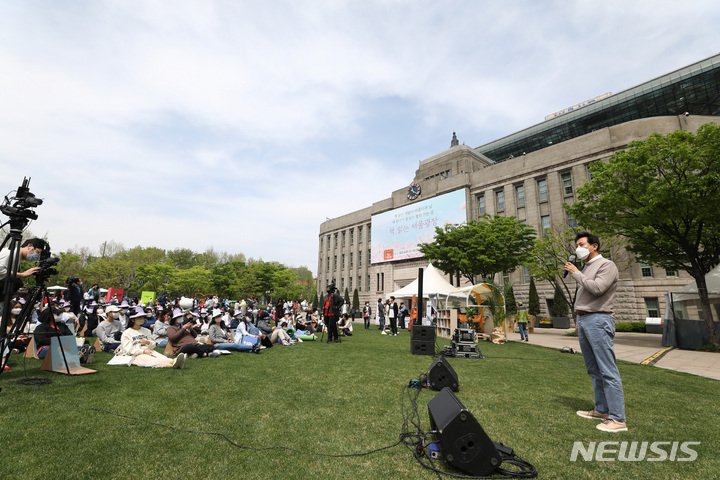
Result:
{"points": [[223, 436]]}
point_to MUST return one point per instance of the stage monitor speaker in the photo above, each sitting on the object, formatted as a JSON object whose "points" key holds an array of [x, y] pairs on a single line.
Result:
{"points": [[463, 442], [425, 333], [442, 374], [419, 347]]}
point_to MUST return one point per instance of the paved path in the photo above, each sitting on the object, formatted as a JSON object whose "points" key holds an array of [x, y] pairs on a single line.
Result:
{"points": [[637, 348]]}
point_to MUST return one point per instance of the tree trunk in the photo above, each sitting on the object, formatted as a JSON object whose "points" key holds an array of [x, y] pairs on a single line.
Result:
{"points": [[707, 312]]}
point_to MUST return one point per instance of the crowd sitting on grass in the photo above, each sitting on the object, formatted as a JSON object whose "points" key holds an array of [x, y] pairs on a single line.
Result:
{"points": [[133, 329]]}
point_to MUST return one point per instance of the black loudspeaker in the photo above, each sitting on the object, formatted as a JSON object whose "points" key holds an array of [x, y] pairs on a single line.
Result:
{"points": [[425, 333], [419, 347], [442, 374], [463, 442]]}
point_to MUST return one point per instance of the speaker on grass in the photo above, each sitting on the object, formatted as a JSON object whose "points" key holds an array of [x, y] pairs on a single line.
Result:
{"points": [[425, 333], [463, 442], [420, 347], [442, 374]]}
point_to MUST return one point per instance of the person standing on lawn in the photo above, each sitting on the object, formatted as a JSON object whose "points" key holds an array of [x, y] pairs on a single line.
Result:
{"points": [[522, 315], [597, 283], [331, 312]]}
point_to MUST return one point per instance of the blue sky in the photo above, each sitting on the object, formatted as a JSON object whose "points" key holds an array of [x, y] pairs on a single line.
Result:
{"points": [[243, 125]]}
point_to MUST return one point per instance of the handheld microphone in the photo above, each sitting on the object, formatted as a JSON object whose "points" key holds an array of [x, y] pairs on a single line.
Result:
{"points": [[571, 259]]}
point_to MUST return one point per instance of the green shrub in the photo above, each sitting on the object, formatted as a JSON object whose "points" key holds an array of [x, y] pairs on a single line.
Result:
{"points": [[637, 327]]}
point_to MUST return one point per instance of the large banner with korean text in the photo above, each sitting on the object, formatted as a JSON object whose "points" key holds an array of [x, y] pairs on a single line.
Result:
{"points": [[397, 233]]}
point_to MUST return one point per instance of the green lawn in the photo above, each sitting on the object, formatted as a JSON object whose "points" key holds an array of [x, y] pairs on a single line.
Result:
{"points": [[331, 400]]}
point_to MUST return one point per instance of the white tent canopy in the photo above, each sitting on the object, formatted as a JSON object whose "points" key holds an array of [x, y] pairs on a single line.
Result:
{"points": [[472, 295], [433, 284], [690, 291]]}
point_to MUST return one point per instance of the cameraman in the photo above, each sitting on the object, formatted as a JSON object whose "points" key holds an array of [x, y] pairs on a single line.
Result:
{"points": [[30, 250]]}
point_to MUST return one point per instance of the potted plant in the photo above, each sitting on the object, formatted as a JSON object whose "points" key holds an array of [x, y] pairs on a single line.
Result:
{"points": [[495, 303], [545, 322], [560, 310]]}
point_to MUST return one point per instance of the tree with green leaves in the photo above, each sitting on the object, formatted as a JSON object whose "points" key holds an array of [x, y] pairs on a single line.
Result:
{"points": [[356, 300], [480, 248], [560, 307], [662, 195], [510, 303], [534, 300]]}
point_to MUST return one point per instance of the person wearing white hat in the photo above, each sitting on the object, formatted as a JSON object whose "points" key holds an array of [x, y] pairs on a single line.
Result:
{"points": [[137, 341], [109, 330], [220, 337]]}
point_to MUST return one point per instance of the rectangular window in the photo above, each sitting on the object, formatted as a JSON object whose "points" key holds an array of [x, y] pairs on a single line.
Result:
{"points": [[343, 262], [352, 236], [542, 190], [646, 270], [328, 242], [652, 307], [526, 275], [567, 183], [359, 261], [368, 283], [351, 260], [336, 240], [590, 173], [500, 200], [481, 205], [327, 264], [335, 263], [545, 219], [360, 234], [343, 239], [359, 287], [520, 195], [378, 282], [671, 273], [350, 283], [369, 236], [382, 281], [342, 284]]}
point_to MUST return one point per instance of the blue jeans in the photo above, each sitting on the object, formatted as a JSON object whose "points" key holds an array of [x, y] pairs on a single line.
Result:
{"points": [[238, 347], [596, 332], [523, 330]]}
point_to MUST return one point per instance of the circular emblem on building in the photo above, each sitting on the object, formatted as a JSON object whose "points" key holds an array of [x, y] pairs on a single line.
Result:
{"points": [[413, 191]]}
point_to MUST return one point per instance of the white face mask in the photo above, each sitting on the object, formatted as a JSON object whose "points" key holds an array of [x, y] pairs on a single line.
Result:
{"points": [[16, 311], [116, 315], [101, 312], [582, 253]]}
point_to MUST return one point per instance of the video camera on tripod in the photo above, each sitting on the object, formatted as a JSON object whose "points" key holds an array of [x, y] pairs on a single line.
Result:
{"points": [[19, 208], [21, 204]]}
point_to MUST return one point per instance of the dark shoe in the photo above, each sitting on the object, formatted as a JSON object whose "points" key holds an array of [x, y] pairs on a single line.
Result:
{"points": [[337, 340]]}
